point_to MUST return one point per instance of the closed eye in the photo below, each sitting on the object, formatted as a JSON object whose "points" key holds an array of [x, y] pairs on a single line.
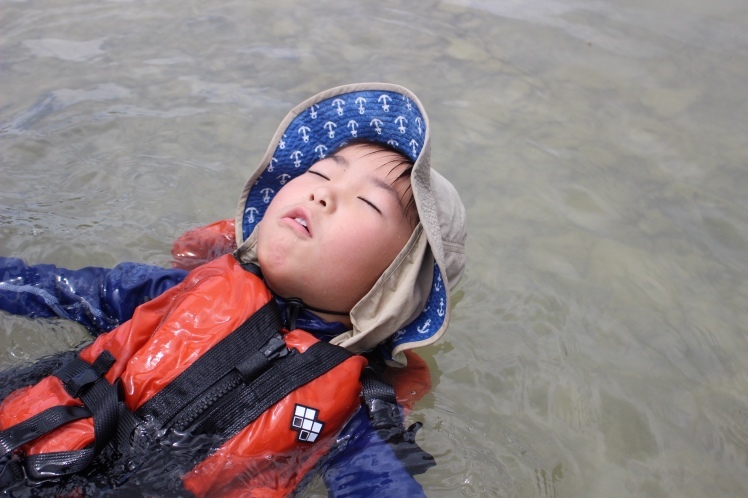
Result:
{"points": [[371, 204], [318, 174]]}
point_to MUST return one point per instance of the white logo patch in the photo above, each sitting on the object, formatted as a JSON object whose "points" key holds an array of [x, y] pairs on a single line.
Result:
{"points": [[306, 423]]}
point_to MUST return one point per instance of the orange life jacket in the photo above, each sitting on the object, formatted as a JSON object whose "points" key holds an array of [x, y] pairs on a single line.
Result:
{"points": [[161, 355], [199, 245]]}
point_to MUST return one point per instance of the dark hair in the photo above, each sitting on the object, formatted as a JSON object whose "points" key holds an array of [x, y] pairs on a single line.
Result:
{"points": [[399, 159]]}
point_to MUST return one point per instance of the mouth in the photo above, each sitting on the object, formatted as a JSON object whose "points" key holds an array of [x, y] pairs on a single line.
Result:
{"points": [[299, 220]]}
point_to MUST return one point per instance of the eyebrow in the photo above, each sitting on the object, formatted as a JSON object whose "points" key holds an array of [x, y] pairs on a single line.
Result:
{"points": [[339, 160], [376, 181]]}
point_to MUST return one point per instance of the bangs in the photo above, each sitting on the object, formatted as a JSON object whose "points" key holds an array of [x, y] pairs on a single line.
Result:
{"points": [[393, 159]]}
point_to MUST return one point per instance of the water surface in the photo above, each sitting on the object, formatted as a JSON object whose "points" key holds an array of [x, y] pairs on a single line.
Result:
{"points": [[599, 345]]}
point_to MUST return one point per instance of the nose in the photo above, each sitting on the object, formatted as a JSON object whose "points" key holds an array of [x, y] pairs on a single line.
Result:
{"points": [[322, 196]]}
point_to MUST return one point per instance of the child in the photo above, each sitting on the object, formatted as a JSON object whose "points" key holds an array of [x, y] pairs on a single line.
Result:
{"points": [[360, 243]]}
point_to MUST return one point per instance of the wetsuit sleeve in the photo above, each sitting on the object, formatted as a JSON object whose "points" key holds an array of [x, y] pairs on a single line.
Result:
{"points": [[366, 466], [382, 461], [98, 298]]}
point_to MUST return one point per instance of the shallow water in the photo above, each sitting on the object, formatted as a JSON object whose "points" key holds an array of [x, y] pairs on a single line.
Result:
{"points": [[599, 347]]}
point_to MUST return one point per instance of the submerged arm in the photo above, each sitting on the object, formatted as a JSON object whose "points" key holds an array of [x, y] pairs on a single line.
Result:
{"points": [[98, 298]]}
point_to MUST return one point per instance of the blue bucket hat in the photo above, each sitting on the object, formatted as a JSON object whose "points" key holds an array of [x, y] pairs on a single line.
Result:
{"points": [[409, 306]]}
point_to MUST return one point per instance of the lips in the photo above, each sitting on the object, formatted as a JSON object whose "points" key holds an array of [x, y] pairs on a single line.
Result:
{"points": [[299, 219]]}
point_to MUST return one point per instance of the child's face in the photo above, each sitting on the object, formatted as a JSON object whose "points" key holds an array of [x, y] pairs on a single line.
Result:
{"points": [[329, 234]]}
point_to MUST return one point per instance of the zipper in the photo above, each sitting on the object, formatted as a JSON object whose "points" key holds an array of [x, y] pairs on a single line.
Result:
{"points": [[243, 373]]}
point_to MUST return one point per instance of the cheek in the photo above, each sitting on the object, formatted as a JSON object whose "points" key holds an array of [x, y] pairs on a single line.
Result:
{"points": [[271, 247], [372, 246], [357, 263], [279, 270]]}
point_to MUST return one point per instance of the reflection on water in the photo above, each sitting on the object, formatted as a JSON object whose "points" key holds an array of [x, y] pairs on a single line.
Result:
{"points": [[599, 348]]}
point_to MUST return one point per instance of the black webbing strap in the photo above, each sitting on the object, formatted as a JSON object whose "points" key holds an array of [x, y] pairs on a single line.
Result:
{"points": [[230, 413], [387, 419], [376, 389], [86, 382], [78, 374], [214, 364], [57, 464], [102, 399], [249, 401], [38, 425]]}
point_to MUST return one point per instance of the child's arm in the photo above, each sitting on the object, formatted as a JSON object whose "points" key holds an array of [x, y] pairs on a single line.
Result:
{"points": [[98, 298], [365, 465], [102, 298]]}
